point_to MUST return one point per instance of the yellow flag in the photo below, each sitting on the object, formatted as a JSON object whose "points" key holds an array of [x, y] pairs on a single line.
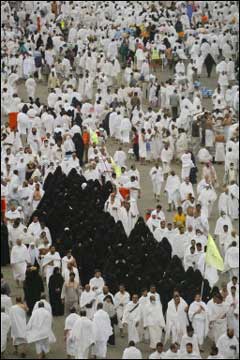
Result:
{"points": [[94, 137], [116, 168], [213, 256]]}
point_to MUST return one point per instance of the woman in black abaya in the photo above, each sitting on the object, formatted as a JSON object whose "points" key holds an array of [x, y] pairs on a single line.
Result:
{"points": [[55, 288], [5, 258], [33, 287]]}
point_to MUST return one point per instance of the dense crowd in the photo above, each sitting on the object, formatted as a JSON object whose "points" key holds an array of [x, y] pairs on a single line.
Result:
{"points": [[71, 227]]}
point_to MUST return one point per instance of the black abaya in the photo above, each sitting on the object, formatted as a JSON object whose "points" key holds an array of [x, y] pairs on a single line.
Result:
{"points": [[5, 258], [55, 288], [32, 287]]}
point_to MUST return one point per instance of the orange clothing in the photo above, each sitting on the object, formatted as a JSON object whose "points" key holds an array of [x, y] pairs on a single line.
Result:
{"points": [[86, 138]]}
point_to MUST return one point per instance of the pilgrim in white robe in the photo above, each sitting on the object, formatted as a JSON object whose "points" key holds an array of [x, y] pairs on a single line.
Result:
{"points": [[172, 187], [31, 87], [199, 320], [113, 208], [217, 316], [18, 321], [207, 199], [6, 303], [132, 353], [223, 203], [125, 129], [131, 317], [231, 261], [128, 218], [186, 340], [47, 306], [49, 262], [121, 300], [176, 321], [236, 321], [169, 354], [120, 158], [187, 165], [154, 321], [19, 260], [156, 175], [228, 347], [39, 330], [102, 331], [83, 337], [5, 327], [233, 201], [221, 221], [69, 323], [88, 303]]}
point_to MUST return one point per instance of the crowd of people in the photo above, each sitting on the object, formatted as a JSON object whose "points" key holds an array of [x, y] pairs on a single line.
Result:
{"points": [[72, 164]]}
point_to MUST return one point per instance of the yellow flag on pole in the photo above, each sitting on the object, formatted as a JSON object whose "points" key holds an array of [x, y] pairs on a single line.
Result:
{"points": [[213, 256]]}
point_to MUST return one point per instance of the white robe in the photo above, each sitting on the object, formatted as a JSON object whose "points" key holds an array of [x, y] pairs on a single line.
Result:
{"points": [[19, 259], [208, 272], [217, 315], [132, 353], [121, 301], [131, 318], [83, 337], [39, 326], [46, 264], [69, 323], [192, 340], [157, 180], [234, 201], [154, 321], [199, 321], [224, 345], [18, 321], [5, 327], [102, 331], [88, 297], [128, 219], [176, 321]]}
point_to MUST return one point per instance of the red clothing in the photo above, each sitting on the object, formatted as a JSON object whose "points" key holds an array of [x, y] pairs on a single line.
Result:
{"points": [[136, 139]]}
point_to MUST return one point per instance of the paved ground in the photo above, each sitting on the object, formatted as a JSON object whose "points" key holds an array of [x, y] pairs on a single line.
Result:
{"points": [[146, 201]]}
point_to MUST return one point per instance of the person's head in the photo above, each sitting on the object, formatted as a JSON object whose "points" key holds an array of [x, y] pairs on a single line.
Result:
{"points": [[71, 277], [145, 292], [159, 347], [105, 290], [131, 344], [18, 300], [153, 299], [214, 351], [174, 348], [230, 333], [73, 310], [176, 297], [41, 304], [52, 250], [189, 348], [83, 313], [225, 228], [163, 224], [99, 306], [199, 247], [135, 298], [198, 297], [192, 249], [19, 242], [190, 331], [122, 288], [233, 290], [180, 210], [218, 299], [234, 280], [98, 274]]}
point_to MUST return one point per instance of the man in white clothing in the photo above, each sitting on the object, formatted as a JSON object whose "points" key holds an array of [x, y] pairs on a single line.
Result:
{"points": [[131, 317], [131, 352], [121, 299], [82, 336], [69, 323], [159, 353], [88, 301], [217, 315], [97, 283], [102, 331], [5, 327], [19, 259], [157, 178], [189, 353], [198, 316], [51, 260], [191, 338], [176, 318], [228, 345], [39, 330], [231, 260], [154, 321], [18, 319], [173, 189]]}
